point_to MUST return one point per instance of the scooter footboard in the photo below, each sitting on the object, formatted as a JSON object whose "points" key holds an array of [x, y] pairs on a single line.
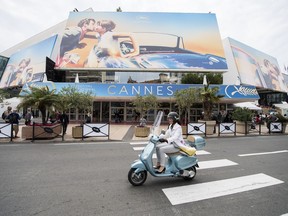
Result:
{"points": [[138, 165]]}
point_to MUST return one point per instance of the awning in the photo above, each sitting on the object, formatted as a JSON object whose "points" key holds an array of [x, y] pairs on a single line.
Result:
{"points": [[248, 105]]}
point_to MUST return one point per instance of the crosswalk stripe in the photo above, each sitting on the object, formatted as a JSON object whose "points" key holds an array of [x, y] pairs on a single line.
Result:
{"points": [[138, 148], [138, 143], [215, 164], [202, 191], [202, 152]]}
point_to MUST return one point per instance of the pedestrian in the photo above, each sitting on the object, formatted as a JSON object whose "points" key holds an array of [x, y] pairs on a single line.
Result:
{"points": [[13, 119], [28, 117], [64, 119], [88, 118], [6, 113]]}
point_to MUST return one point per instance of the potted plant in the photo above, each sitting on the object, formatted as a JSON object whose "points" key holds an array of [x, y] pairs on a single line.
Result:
{"points": [[242, 115], [209, 97], [142, 105]]}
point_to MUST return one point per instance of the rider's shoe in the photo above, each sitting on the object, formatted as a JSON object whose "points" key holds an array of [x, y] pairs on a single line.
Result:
{"points": [[157, 167], [161, 170]]}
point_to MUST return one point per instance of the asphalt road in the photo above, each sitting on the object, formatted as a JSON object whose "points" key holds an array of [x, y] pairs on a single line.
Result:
{"points": [[91, 179]]}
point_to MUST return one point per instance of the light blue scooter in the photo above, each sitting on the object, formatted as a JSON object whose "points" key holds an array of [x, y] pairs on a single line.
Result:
{"points": [[181, 164]]}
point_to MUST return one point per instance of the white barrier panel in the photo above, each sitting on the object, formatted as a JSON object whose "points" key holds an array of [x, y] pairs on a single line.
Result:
{"points": [[276, 127], [227, 128], [196, 128], [5, 130], [95, 130]]}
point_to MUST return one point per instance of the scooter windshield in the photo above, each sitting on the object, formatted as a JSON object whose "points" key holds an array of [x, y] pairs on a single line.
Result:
{"points": [[157, 122]]}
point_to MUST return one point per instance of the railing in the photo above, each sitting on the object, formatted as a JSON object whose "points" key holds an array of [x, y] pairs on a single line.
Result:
{"points": [[6, 130], [47, 131], [236, 128], [95, 130]]}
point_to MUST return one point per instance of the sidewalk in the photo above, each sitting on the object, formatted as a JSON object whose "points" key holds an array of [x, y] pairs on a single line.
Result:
{"points": [[118, 132]]}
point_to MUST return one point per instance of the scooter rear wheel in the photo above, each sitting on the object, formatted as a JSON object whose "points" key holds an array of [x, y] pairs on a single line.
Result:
{"points": [[137, 179], [192, 173]]}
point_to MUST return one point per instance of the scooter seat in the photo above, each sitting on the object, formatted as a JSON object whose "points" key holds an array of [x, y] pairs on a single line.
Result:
{"points": [[188, 150]]}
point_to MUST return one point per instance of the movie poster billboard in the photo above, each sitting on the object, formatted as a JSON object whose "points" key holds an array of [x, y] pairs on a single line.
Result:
{"points": [[257, 68], [142, 41], [27, 65]]}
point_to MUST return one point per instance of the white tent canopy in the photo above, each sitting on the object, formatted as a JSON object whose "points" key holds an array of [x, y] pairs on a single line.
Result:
{"points": [[249, 105]]}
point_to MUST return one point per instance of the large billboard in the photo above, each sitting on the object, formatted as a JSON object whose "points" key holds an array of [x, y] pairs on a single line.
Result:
{"points": [[27, 65], [142, 41], [257, 68]]}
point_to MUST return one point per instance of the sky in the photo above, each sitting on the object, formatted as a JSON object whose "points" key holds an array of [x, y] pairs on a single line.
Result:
{"points": [[261, 24]]}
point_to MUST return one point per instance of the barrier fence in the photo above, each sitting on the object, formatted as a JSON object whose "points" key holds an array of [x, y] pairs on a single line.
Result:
{"points": [[234, 128], [95, 130], [6, 130]]}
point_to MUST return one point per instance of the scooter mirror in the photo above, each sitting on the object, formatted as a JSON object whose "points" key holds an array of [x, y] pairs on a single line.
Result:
{"points": [[163, 131]]}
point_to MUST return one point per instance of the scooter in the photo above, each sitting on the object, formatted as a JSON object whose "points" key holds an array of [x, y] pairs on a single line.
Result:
{"points": [[180, 164]]}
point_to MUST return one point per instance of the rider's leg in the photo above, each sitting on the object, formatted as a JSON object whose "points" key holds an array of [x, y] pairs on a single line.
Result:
{"points": [[162, 151], [158, 146]]}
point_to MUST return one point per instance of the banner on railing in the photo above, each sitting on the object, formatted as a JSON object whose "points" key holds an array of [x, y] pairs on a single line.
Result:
{"points": [[96, 130], [196, 128]]}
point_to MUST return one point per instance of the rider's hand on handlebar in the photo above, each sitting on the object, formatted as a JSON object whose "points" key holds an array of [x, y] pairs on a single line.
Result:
{"points": [[162, 140]]}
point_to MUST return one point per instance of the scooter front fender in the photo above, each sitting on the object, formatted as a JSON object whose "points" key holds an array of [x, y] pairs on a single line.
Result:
{"points": [[138, 165]]}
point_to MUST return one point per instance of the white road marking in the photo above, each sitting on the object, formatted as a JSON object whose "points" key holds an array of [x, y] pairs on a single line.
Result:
{"points": [[138, 143], [138, 148], [262, 153], [208, 190], [215, 164], [202, 152]]}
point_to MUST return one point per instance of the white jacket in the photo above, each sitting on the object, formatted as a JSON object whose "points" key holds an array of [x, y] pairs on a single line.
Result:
{"points": [[174, 135]]}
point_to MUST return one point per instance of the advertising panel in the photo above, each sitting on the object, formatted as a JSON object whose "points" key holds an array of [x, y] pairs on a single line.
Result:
{"points": [[142, 41], [257, 68], [159, 90], [27, 65]]}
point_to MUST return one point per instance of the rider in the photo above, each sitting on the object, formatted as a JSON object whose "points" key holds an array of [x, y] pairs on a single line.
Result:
{"points": [[170, 141]]}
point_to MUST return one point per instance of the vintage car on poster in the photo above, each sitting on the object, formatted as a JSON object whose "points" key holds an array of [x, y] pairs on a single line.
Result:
{"points": [[143, 50]]}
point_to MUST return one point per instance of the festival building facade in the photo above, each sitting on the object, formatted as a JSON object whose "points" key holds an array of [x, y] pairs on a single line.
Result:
{"points": [[118, 55]]}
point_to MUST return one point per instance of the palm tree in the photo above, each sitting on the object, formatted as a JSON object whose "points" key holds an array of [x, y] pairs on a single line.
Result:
{"points": [[40, 98], [209, 96]]}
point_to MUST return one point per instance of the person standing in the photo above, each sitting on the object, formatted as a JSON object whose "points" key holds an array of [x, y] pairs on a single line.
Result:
{"points": [[6, 113], [64, 119], [28, 117], [14, 118], [88, 118]]}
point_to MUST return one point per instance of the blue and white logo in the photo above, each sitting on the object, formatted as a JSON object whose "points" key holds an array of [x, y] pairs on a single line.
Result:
{"points": [[233, 91]]}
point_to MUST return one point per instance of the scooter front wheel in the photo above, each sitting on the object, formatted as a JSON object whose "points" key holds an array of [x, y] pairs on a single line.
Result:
{"points": [[137, 179], [192, 173]]}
